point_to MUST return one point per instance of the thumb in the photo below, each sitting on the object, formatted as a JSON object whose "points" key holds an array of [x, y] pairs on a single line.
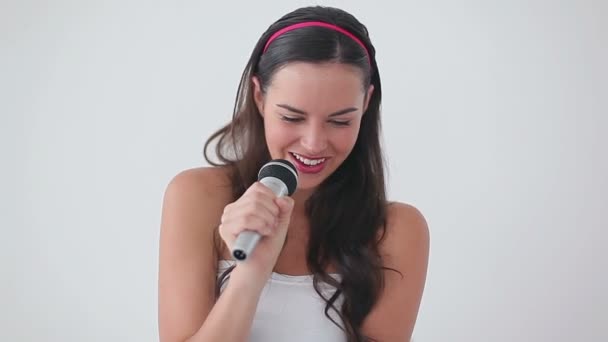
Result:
{"points": [[285, 208]]}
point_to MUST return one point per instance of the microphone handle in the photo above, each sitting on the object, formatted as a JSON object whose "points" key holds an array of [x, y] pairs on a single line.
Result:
{"points": [[247, 240]]}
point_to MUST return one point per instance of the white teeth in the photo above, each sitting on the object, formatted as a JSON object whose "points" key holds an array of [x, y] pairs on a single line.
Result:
{"points": [[310, 162]]}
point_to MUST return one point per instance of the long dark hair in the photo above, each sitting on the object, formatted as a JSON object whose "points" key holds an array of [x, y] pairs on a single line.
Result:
{"points": [[347, 212]]}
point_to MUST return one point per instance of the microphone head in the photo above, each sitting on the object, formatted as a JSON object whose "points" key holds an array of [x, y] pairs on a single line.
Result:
{"points": [[281, 169]]}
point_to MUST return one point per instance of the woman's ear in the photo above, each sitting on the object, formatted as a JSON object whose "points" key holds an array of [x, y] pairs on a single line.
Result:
{"points": [[258, 95], [368, 97]]}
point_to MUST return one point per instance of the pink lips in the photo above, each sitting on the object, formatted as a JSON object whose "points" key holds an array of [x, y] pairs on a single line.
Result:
{"points": [[308, 168]]}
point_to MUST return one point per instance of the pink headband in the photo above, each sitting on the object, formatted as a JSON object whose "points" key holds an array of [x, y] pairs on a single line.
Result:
{"points": [[316, 24]]}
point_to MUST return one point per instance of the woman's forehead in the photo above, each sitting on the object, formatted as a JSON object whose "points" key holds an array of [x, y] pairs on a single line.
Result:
{"points": [[328, 82]]}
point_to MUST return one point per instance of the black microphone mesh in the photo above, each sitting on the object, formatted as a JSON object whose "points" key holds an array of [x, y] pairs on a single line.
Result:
{"points": [[280, 168]]}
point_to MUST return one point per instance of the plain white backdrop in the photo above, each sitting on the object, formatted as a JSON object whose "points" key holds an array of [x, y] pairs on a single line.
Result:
{"points": [[495, 121]]}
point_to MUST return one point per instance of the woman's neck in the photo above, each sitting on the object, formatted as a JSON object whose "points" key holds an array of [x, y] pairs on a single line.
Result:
{"points": [[300, 197], [299, 226]]}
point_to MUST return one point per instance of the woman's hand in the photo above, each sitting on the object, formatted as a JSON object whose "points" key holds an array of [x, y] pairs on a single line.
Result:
{"points": [[259, 210]]}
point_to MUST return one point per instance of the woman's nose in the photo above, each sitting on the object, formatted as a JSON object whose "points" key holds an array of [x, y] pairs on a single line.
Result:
{"points": [[314, 140]]}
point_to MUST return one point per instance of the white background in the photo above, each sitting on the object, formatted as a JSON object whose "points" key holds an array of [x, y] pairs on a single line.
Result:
{"points": [[495, 119]]}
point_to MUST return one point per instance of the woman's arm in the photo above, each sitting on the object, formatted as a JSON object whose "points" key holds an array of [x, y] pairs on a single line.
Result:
{"points": [[192, 207], [406, 249]]}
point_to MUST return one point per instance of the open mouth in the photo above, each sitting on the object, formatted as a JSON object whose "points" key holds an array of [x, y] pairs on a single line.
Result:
{"points": [[307, 165]]}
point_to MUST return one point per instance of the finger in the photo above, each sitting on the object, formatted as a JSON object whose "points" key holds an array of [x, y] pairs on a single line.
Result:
{"points": [[259, 193], [268, 212], [261, 188], [264, 202], [254, 223], [285, 204], [252, 203]]}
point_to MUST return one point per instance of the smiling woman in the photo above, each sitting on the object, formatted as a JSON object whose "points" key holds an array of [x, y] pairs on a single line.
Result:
{"points": [[337, 261], [312, 114]]}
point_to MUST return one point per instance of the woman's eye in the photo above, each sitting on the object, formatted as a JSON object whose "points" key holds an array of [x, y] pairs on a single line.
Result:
{"points": [[341, 123], [290, 118], [294, 119]]}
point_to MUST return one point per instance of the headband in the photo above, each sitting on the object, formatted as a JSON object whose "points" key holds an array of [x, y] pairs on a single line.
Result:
{"points": [[316, 24]]}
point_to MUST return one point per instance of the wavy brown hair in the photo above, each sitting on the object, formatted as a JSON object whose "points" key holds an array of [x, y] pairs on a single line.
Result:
{"points": [[347, 212]]}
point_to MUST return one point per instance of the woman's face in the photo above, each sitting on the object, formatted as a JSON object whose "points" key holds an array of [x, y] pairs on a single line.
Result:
{"points": [[312, 115]]}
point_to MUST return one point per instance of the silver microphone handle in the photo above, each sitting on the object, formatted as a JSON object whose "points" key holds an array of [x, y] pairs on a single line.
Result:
{"points": [[247, 240]]}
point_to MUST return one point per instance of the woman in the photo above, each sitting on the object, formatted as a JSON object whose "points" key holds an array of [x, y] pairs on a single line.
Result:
{"points": [[337, 262]]}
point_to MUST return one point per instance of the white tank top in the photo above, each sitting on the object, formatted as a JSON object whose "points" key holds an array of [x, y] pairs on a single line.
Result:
{"points": [[291, 310]]}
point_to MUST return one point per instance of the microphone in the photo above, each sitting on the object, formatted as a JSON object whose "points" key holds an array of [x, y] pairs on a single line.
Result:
{"points": [[281, 177]]}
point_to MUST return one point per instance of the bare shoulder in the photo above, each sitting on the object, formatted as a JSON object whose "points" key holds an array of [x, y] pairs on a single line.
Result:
{"points": [[194, 200], [192, 206], [200, 181], [195, 195], [405, 249], [405, 225]]}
